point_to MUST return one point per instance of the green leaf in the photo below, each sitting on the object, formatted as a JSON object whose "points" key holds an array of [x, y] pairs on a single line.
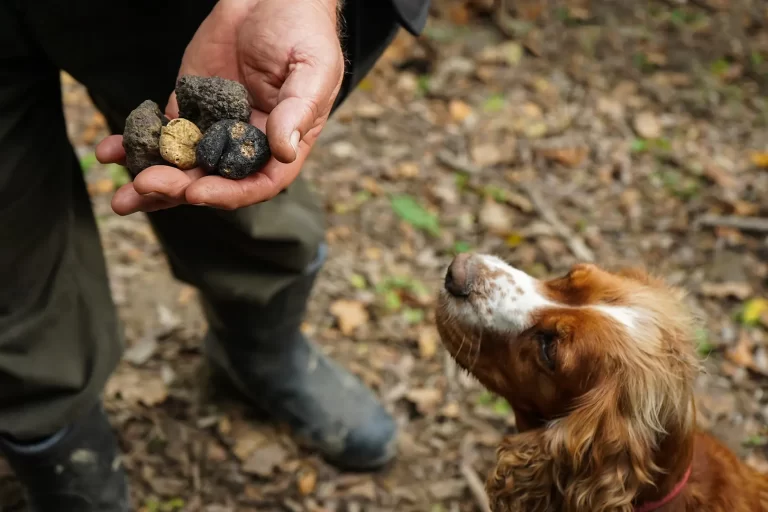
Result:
{"points": [[357, 281], [87, 162], [462, 180], [494, 103], [413, 315], [639, 146], [753, 309], [119, 175], [460, 247], [408, 209], [392, 300], [502, 407], [486, 398], [703, 345]]}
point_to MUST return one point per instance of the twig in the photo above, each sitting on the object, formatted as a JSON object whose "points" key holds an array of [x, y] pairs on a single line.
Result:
{"points": [[476, 486], [574, 242], [759, 224]]}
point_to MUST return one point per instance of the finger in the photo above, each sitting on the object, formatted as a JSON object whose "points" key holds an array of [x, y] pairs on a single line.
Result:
{"points": [[166, 181], [110, 150], [305, 100], [127, 201], [172, 108], [261, 186]]}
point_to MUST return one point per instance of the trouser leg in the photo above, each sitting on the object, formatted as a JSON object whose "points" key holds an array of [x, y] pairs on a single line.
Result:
{"points": [[254, 266], [58, 328]]}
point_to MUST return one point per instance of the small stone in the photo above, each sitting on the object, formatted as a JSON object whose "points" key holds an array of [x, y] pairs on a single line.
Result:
{"points": [[207, 100], [234, 149], [141, 137], [178, 142]]}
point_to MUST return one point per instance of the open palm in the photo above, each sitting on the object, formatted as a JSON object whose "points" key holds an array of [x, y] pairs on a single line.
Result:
{"points": [[288, 56]]}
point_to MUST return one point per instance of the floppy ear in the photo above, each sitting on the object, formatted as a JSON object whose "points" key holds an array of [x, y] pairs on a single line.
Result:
{"points": [[595, 459]]}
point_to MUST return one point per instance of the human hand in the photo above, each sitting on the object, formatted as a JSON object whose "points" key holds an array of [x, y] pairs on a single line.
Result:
{"points": [[288, 56]]}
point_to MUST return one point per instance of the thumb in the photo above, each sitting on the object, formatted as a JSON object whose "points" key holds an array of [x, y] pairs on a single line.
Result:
{"points": [[304, 101]]}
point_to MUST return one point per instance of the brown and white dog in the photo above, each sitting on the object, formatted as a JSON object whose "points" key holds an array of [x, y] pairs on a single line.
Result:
{"points": [[599, 369]]}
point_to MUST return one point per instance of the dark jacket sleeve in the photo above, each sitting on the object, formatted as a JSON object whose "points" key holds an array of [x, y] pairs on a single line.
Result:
{"points": [[412, 14]]}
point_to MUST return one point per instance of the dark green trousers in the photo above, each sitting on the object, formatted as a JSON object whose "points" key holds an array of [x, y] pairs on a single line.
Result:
{"points": [[59, 335]]}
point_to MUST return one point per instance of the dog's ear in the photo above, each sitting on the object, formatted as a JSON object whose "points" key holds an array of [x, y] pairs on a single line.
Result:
{"points": [[523, 479], [595, 459]]}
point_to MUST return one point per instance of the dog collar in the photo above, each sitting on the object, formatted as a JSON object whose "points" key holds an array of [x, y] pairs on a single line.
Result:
{"points": [[655, 505]]}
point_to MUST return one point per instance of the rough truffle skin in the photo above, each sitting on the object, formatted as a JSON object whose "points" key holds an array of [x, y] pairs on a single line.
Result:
{"points": [[234, 149], [178, 142], [141, 137], [206, 100]]}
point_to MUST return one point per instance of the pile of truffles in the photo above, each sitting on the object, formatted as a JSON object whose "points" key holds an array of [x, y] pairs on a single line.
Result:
{"points": [[211, 132]]}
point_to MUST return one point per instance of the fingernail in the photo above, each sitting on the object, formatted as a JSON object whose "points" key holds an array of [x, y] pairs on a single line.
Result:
{"points": [[199, 204], [295, 141]]}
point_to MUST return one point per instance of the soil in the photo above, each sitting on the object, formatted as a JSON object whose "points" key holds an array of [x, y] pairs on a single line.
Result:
{"points": [[554, 132]]}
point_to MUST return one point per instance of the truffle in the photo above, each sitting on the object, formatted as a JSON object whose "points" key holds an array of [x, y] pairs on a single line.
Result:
{"points": [[206, 100], [233, 148], [178, 142], [141, 137]]}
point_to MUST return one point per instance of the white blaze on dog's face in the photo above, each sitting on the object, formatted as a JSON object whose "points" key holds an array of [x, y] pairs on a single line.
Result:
{"points": [[543, 344]]}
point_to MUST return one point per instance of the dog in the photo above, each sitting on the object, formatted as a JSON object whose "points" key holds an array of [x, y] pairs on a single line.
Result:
{"points": [[599, 369]]}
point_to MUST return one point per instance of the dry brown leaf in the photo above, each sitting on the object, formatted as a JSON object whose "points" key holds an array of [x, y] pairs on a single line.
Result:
{"points": [[451, 410], [137, 387], [426, 400], [263, 461], [741, 354], [759, 158], [459, 110], [248, 441], [306, 481], [408, 169], [350, 315], [101, 187], [647, 125], [428, 338], [569, 157], [737, 289], [487, 154], [496, 218]]}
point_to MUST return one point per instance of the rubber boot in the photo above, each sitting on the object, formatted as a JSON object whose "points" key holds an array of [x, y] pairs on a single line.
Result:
{"points": [[262, 351], [77, 469]]}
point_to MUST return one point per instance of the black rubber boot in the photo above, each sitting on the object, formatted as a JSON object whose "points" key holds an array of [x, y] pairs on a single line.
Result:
{"points": [[263, 353], [76, 470]]}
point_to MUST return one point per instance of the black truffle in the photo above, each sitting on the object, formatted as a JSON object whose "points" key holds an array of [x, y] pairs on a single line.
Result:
{"points": [[233, 148], [141, 137], [206, 100]]}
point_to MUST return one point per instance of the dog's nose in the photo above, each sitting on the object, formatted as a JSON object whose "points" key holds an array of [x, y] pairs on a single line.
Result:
{"points": [[458, 277]]}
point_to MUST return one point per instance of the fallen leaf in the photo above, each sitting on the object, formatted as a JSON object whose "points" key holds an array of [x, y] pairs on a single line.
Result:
{"points": [[451, 410], [428, 338], [569, 157], [137, 387], [495, 218], [101, 187], [370, 110], [739, 290], [263, 461], [350, 314], [408, 169], [448, 489], [487, 154], [459, 110], [425, 399], [408, 208], [142, 350], [759, 158], [647, 125], [248, 441], [365, 490], [741, 354], [306, 481], [753, 310]]}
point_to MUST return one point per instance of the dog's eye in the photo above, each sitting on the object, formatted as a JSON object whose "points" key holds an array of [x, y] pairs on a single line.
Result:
{"points": [[547, 348]]}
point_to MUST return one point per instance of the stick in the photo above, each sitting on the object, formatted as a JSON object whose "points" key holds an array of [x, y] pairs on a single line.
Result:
{"points": [[759, 224], [574, 242], [476, 486]]}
